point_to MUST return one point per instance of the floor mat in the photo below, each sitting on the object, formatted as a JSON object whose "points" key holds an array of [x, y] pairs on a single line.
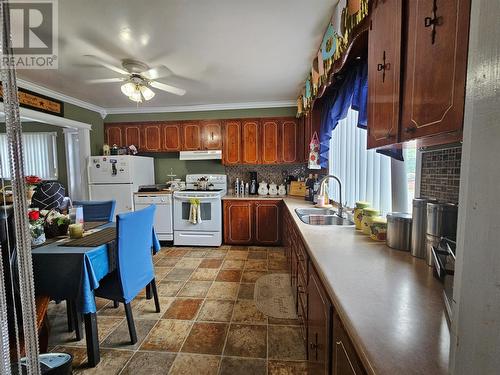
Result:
{"points": [[273, 296]]}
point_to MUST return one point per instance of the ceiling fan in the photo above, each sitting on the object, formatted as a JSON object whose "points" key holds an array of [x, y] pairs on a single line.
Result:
{"points": [[138, 79]]}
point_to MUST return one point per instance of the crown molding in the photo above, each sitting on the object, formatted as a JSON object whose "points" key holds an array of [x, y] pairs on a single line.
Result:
{"points": [[57, 95], [202, 107], [168, 109]]}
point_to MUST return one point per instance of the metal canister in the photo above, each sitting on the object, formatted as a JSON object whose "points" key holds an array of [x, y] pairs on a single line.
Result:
{"points": [[419, 227], [399, 231], [442, 219]]}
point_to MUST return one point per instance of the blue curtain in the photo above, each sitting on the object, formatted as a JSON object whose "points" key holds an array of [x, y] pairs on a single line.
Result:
{"points": [[349, 92]]}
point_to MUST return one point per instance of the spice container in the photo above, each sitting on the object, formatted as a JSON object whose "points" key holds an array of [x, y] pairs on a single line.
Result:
{"points": [[368, 215], [358, 213], [378, 229]]}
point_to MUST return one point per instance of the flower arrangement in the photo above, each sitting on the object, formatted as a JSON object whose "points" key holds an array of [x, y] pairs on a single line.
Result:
{"points": [[32, 181], [56, 224], [36, 225]]}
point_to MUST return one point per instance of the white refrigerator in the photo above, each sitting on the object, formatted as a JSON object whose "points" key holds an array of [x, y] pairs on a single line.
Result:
{"points": [[119, 177]]}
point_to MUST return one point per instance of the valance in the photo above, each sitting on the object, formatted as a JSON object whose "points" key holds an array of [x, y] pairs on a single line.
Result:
{"points": [[349, 92]]}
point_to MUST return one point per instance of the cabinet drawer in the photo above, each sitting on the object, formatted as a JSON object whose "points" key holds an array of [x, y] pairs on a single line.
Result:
{"points": [[302, 259], [302, 291]]}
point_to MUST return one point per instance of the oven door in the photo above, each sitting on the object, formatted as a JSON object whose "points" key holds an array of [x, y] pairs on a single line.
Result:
{"points": [[211, 214]]}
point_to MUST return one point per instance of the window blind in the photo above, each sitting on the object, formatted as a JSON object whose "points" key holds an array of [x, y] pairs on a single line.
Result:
{"points": [[365, 175], [40, 155]]}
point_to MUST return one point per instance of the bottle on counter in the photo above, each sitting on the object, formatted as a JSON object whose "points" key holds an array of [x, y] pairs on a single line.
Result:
{"points": [[247, 188], [309, 188], [237, 187], [242, 188]]}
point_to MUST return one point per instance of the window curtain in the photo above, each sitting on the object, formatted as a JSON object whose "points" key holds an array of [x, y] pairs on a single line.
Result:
{"points": [[348, 92], [365, 174], [40, 155]]}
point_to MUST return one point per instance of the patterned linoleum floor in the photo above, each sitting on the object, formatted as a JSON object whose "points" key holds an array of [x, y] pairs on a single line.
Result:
{"points": [[208, 322]]}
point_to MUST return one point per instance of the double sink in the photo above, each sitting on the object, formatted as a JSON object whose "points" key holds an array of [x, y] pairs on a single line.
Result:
{"points": [[321, 216]]}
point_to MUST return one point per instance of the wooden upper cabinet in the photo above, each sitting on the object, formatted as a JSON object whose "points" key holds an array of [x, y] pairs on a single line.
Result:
{"points": [[267, 222], [212, 135], [232, 142], [191, 136], [132, 136], [435, 67], [238, 222], [114, 135], [152, 138], [171, 137], [270, 141], [291, 141], [384, 70], [250, 141]]}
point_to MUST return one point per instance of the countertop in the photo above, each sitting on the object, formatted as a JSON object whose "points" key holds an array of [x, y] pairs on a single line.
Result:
{"points": [[230, 197], [161, 192], [390, 303]]}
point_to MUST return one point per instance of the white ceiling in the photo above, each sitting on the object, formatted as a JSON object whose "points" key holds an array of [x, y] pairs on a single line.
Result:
{"points": [[221, 51]]}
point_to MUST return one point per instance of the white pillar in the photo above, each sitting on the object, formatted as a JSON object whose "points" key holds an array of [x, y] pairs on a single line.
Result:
{"points": [[475, 346], [84, 143]]}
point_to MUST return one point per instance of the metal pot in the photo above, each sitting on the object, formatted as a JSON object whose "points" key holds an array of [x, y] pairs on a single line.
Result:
{"points": [[399, 231]]}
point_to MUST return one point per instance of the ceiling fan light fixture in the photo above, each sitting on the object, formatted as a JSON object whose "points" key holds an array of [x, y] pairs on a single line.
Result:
{"points": [[147, 93], [136, 96], [128, 88]]}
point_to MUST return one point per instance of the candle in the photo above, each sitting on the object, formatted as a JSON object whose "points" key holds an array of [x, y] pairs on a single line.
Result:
{"points": [[76, 231]]}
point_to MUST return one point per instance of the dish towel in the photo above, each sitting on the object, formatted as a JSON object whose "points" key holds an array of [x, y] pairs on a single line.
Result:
{"points": [[195, 211]]}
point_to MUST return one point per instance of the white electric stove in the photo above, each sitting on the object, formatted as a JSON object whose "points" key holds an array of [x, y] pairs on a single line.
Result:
{"points": [[208, 232]]}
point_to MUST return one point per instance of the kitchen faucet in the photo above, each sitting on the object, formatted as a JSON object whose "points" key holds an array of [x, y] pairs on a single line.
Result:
{"points": [[322, 184]]}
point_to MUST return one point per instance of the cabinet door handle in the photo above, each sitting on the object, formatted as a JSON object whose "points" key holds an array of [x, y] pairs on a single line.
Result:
{"points": [[389, 136], [433, 21], [410, 129], [383, 67]]}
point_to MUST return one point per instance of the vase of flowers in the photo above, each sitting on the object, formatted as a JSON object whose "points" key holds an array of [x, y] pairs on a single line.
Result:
{"points": [[36, 225], [31, 183], [56, 224]]}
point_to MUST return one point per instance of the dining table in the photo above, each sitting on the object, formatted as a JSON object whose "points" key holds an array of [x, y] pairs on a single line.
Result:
{"points": [[64, 271]]}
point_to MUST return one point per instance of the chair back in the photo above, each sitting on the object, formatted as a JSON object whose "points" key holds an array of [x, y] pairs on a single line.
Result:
{"points": [[134, 242], [48, 195], [97, 210]]}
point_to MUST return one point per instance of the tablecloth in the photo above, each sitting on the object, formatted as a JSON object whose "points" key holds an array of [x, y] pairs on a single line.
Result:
{"points": [[74, 272]]}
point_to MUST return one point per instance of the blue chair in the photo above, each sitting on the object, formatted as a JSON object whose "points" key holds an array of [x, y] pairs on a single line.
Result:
{"points": [[135, 269], [97, 210]]}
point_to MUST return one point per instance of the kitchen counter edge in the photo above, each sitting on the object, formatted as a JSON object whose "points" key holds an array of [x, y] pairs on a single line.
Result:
{"points": [[339, 255]]}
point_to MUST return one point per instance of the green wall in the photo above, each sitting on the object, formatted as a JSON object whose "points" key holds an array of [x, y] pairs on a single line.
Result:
{"points": [[166, 161], [87, 116]]}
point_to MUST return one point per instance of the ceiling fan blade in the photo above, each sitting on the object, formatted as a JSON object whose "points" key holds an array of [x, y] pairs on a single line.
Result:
{"points": [[168, 88], [157, 72], [105, 80], [107, 65]]}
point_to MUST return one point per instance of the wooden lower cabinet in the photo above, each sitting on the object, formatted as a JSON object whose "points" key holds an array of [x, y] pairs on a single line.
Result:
{"points": [[344, 356], [252, 222], [318, 326], [267, 223], [328, 346], [238, 222]]}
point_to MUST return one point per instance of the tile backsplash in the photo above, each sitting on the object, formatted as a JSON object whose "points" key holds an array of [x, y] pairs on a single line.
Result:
{"points": [[269, 173], [440, 178]]}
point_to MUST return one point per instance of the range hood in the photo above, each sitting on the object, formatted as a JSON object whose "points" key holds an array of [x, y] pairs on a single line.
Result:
{"points": [[200, 155]]}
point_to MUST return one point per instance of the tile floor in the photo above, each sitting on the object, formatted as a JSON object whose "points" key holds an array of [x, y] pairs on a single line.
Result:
{"points": [[208, 322]]}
